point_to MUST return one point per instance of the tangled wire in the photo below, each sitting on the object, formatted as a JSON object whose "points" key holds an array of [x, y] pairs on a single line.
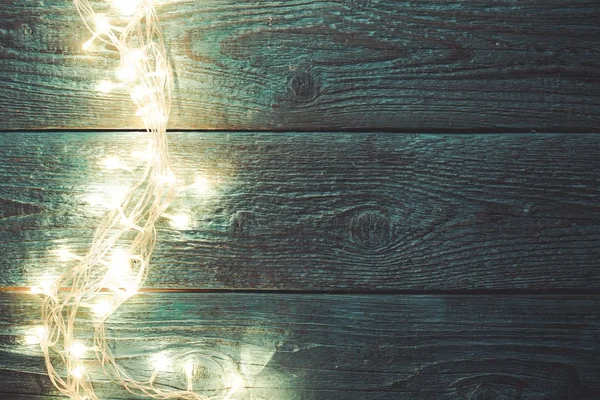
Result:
{"points": [[116, 264]]}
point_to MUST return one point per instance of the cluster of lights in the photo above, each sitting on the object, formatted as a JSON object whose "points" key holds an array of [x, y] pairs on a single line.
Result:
{"points": [[116, 264]]}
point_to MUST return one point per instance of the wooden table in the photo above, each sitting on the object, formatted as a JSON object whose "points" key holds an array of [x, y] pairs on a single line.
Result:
{"points": [[403, 197]]}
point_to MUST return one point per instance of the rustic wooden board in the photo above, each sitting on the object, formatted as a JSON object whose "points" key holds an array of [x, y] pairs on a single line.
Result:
{"points": [[319, 65], [324, 211], [324, 346]]}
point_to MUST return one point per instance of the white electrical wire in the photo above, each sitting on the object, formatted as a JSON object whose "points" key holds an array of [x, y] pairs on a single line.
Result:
{"points": [[116, 264]]}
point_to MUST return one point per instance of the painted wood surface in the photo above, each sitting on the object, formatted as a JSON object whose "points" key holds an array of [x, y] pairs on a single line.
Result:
{"points": [[321, 65], [323, 211], [332, 347]]}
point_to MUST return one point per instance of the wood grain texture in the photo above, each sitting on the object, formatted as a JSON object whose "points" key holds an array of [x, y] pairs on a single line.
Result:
{"points": [[321, 65], [323, 211], [332, 347]]}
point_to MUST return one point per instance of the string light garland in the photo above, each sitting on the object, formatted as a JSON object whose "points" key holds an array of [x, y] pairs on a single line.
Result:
{"points": [[116, 264]]}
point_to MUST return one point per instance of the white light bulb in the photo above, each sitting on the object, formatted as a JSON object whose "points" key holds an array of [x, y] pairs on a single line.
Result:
{"points": [[138, 94], [64, 254], [44, 287], [136, 55], [112, 163], [36, 335], [188, 367], [201, 185], [31, 340], [126, 7], [126, 73], [105, 86], [102, 308], [102, 24], [160, 362], [86, 45], [180, 221], [78, 372], [117, 197], [120, 261], [78, 349], [235, 382]]}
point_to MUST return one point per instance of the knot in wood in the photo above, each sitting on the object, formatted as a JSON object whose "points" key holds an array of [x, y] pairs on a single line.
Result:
{"points": [[303, 86], [241, 223], [371, 229]]}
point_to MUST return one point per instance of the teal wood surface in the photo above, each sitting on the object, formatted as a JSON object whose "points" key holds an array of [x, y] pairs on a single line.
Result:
{"points": [[322, 211], [335, 347], [322, 65], [369, 251]]}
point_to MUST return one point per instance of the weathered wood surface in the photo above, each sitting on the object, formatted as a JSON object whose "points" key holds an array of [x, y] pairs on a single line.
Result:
{"points": [[333, 347], [344, 64], [324, 211]]}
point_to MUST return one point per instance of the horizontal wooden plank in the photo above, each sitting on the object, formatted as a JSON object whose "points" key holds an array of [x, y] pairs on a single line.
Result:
{"points": [[325, 347], [323, 211], [343, 64]]}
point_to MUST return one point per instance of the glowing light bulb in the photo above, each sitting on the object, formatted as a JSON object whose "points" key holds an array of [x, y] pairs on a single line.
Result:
{"points": [[102, 308], [102, 24], [120, 261], [36, 335], [117, 197], [77, 349], [235, 382], [188, 367], [78, 372], [112, 163], [87, 44], [131, 288], [138, 94], [160, 362], [201, 185], [64, 254], [126, 73], [158, 73], [105, 86], [44, 287], [136, 55], [41, 332], [31, 340], [126, 7], [179, 221]]}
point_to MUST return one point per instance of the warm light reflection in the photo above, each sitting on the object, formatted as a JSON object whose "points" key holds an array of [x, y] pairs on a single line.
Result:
{"points": [[36, 335], [116, 263], [78, 372], [126, 7], [105, 86], [201, 185], [102, 308], [120, 262], [117, 197], [179, 221], [78, 349], [188, 367], [235, 382], [43, 287], [64, 254], [160, 362]]}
